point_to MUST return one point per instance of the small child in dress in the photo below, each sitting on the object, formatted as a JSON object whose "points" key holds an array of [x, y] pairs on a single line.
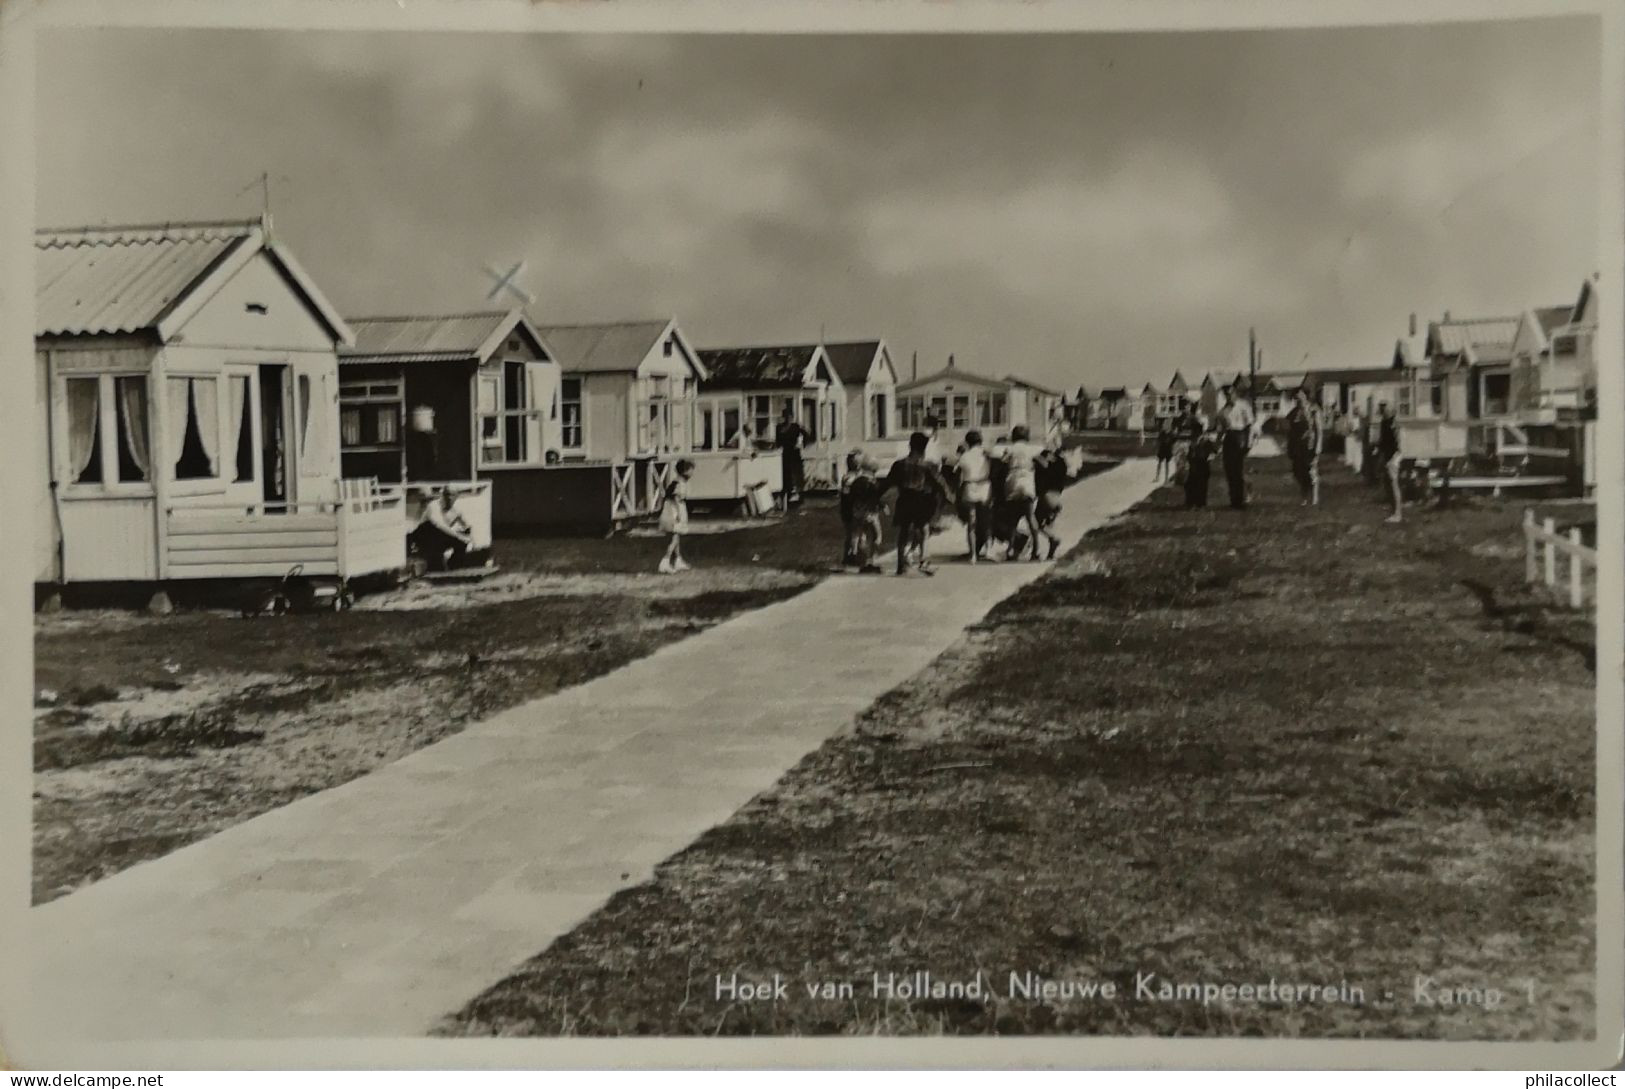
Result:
{"points": [[674, 517]]}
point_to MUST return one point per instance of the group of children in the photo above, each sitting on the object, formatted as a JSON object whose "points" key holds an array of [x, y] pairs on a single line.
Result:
{"points": [[1010, 494]]}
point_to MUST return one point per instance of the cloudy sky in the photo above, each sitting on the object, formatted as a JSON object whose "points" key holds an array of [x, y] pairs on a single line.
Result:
{"points": [[1076, 208]]}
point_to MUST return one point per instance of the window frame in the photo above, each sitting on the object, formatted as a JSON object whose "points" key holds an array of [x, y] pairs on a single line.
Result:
{"points": [[208, 485], [501, 371], [109, 486], [579, 448]]}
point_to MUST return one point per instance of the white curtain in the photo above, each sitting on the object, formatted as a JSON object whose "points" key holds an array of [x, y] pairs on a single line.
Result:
{"points": [[206, 403], [84, 403], [304, 414], [132, 405], [236, 390], [178, 405]]}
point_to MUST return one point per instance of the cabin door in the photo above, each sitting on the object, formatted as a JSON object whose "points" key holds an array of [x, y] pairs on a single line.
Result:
{"points": [[276, 468]]}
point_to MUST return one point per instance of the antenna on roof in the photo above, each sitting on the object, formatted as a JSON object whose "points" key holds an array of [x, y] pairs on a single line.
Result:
{"points": [[263, 183]]}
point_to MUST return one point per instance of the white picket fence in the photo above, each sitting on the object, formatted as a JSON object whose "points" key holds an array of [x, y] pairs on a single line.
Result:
{"points": [[1542, 543]]}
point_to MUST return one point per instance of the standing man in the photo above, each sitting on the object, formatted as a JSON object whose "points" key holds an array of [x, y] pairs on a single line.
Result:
{"points": [[1235, 437], [1303, 439], [790, 438], [1388, 456]]}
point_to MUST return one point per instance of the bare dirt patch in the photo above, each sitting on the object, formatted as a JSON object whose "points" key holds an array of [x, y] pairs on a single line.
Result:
{"points": [[151, 733]]}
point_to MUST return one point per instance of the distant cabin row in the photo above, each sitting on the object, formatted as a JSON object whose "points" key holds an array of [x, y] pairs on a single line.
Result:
{"points": [[209, 415]]}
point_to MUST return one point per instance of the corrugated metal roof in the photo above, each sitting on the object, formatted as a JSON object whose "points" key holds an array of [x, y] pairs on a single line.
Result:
{"points": [[852, 359], [1455, 337], [771, 367], [97, 280], [604, 347], [423, 339]]}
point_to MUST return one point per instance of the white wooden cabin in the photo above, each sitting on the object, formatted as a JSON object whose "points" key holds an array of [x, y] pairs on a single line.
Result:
{"points": [[869, 410], [627, 389], [742, 397], [960, 401], [187, 379]]}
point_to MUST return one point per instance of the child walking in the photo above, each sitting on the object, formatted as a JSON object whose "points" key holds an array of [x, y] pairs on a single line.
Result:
{"points": [[674, 517], [920, 491], [863, 531]]}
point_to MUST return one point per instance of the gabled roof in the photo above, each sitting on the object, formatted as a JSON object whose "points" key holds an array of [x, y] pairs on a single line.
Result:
{"points": [[851, 359], [109, 280], [448, 337], [1471, 338], [782, 366], [1017, 380], [603, 347], [1177, 383], [959, 374], [1552, 317]]}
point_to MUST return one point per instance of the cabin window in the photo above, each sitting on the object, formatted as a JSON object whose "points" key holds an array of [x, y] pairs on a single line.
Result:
{"points": [[730, 428], [705, 427], [193, 426], [84, 430], [761, 415], [961, 411], [990, 410], [108, 429], [1168, 404], [939, 410], [832, 429], [572, 434], [877, 415], [665, 349]]}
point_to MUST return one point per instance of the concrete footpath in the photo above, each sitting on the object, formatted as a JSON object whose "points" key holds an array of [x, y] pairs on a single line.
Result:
{"points": [[374, 908]]}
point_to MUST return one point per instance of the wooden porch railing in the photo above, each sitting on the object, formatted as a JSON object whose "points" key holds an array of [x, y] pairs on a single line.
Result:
{"points": [[1542, 543]]}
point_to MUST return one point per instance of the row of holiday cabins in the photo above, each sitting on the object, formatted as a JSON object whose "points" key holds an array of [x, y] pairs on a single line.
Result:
{"points": [[208, 414], [1461, 388]]}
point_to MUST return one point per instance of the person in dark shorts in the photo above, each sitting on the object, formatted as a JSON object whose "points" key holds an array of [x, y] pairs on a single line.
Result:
{"points": [[1165, 452], [1235, 439], [1052, 477], [443, 538], [920, 492], [1303, 439]]}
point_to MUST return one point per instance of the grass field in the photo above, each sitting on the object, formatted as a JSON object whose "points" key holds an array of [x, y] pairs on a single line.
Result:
{"points": [[151, 733], [1209, 748]]}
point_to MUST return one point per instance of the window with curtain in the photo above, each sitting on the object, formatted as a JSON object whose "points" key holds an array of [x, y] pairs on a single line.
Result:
{"points": [[240, 427], [730, 428], [130, 397], [572, 434], [84, 430], [194, 427]]}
